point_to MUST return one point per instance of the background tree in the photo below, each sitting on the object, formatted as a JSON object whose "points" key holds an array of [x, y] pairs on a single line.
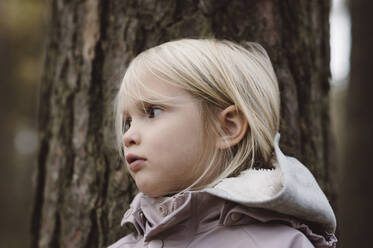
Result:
{"points": [[82, 187], [355, 202]]}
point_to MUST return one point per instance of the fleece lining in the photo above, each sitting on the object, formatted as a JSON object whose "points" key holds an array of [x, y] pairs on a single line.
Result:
{"points": [[289, 189]]}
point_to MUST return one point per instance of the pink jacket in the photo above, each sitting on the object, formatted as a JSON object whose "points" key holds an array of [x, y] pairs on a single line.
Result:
{"points": [[281, 208]]}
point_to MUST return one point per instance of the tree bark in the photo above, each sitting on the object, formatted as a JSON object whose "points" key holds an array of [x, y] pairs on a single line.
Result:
{"points": [[82, 188]]}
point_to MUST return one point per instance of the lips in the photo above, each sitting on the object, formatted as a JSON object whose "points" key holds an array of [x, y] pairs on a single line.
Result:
{"points": [[132, 158], [135, 162]]}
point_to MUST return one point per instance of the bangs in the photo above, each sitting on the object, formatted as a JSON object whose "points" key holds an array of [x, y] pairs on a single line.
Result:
{"points": [[133, 87]]}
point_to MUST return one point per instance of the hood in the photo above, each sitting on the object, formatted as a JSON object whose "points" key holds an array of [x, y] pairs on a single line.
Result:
{"points": [[288, 189]]}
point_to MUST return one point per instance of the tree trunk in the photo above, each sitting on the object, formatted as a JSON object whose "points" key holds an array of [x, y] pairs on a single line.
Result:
{"points": [[82, 188], [356, 182]]}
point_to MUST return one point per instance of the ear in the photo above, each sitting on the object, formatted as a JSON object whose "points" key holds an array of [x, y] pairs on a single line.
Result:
{"points": [[234, 126]]}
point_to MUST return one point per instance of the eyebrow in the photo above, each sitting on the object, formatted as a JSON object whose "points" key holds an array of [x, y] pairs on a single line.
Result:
{"points": [[138, 105]]}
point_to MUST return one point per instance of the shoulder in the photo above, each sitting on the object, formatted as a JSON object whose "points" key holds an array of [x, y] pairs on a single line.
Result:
{"points": [[277, 235], [253, 235]]}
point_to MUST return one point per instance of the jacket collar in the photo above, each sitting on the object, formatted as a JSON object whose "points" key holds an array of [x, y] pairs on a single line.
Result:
{"points": [[151, 216], [197, 211]]}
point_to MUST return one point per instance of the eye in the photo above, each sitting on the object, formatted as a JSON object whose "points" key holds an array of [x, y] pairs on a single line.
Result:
{"points": [[153, 111], [126, 124]]}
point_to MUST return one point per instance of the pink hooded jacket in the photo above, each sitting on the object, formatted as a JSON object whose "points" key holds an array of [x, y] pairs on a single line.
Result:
{"points": [[281, 208]]}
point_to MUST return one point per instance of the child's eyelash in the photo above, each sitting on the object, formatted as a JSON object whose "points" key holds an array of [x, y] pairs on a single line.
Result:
{"points": [[150, 111], [126, 124]]}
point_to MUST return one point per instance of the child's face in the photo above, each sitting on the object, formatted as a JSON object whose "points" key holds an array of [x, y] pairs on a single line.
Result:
{"points": [[166, 138]]}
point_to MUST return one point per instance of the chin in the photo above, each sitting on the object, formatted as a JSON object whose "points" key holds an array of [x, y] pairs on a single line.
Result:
{"points": [[153, 187], [151, 192], [149, 189], [157, 193]]}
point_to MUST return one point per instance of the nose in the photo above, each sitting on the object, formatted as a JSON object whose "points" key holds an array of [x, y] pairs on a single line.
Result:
{"points": [[131, 137]]}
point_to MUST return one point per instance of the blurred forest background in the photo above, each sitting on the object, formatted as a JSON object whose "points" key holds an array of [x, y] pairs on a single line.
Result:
{"points": [[22, 39], [22, 35]]}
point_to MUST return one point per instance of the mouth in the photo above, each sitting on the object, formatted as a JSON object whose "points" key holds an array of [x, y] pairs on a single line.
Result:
{"points": [[132, 158], [134, 162]]}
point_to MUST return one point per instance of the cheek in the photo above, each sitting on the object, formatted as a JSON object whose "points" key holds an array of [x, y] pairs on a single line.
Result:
{"points": [[181, 139]]}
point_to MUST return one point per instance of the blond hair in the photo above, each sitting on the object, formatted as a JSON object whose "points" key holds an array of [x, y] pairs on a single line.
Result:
{"points": [[219, 73]]}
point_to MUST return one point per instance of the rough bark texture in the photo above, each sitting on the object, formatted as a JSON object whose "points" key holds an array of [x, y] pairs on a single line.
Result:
{"points": [[82, 189], [356, 202]]}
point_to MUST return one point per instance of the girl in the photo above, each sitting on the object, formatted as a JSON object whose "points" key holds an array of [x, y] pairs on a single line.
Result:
{"points": [[197, 121]]}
